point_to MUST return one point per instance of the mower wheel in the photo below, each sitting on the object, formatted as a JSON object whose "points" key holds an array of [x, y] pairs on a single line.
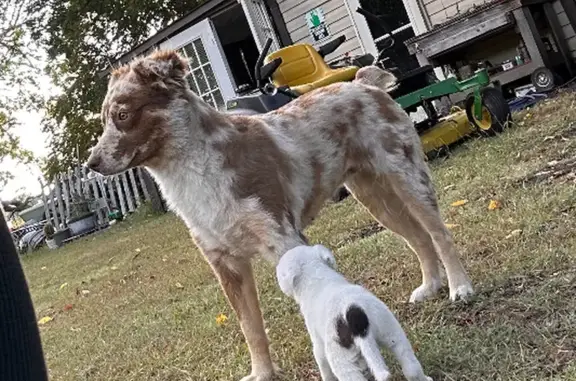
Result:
{"points": [[495, 112], [544, 79]]}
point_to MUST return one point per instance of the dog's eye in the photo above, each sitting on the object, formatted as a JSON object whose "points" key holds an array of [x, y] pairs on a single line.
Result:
{"points": [[122, 115]]}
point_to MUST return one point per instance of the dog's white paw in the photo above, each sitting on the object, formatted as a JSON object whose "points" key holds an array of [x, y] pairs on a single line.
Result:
{"points": [[267, 375], [462, 292], [424, 292]]}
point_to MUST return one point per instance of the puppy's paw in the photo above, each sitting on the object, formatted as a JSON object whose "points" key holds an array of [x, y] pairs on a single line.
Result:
{"points": [[462, 292], [424, 292]]}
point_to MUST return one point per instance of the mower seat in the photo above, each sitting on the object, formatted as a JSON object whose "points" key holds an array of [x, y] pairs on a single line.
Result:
{"points": [[304, 70]]}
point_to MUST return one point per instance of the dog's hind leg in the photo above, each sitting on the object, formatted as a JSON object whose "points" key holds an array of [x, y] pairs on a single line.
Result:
{"points": [[237, 280], [405, 203]]}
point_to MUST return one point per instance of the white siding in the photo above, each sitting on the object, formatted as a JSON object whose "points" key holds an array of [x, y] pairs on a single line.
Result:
{"points": [[566, 27], [337, 17]]}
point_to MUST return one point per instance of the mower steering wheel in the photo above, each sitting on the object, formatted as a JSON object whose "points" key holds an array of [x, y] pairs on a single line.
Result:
{"points": [[385, 49]]}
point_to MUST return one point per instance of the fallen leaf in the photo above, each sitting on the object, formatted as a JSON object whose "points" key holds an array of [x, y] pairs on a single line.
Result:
{"points": [[137, 250], [43, 268], [63, 285], [114, 268], [44, 320], [528, 115], [179, 285], [459, 203], [452, 226], [164, 259], [85, 292], [447, 187], [494, 204], [68, 307], [514, 233], [221, 319]]}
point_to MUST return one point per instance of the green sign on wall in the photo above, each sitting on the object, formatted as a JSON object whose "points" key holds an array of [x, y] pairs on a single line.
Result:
{"points": [[317, 24]]}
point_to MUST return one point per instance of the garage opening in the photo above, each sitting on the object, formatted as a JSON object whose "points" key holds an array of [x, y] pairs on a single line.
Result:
{"points": [[238, 45]]}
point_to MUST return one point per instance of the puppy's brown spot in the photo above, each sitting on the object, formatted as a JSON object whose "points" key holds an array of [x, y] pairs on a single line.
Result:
{"points": [[344, 334], [261, 169]]}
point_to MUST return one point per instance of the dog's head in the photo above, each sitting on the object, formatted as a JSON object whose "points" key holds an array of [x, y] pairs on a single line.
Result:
{"points": [[143, 102], [299, 259]]}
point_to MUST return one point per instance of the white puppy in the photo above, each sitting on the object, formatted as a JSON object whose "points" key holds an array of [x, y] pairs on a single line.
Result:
{"points": [[347, 324]]}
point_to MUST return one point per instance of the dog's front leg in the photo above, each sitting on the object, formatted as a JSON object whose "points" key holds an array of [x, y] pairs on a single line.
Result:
{"points": [[237, 281]]}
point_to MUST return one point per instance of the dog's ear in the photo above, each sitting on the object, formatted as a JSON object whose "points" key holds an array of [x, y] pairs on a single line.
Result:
{"points": [[162, 65], [326, 255]]}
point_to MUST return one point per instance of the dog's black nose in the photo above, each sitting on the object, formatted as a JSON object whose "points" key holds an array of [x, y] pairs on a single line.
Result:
{"points": [[94, 163]]}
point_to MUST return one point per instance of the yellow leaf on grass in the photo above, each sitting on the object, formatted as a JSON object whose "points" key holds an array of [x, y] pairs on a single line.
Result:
{"points": [[179, 285], [459, 202], [452, 226], [63, 285], [494, 204], [44, 320], [221, 319]]}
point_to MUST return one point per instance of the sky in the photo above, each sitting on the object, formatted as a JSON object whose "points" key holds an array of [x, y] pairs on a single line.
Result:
{"points": [[32, 138]]}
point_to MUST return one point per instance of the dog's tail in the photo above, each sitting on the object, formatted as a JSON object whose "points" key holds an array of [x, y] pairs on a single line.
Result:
{"points": [[374, 76], [358, 326]]}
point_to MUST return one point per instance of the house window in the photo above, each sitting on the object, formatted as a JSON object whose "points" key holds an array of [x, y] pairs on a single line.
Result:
{"points": [[202, 79]]}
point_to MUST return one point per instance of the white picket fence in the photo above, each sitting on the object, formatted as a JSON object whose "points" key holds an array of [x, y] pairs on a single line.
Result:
{"points": [[125, 192]]}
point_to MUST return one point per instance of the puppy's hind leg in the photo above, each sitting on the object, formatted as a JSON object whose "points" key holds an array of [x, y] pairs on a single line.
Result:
{"points": [[345, 362], [395, 339], [320, 356]]}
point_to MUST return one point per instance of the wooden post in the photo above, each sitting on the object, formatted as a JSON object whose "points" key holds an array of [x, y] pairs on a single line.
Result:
{"points": [[58, 194], [66, 193], [100, 183], [78, 181], [53, 208], [141, 175], [44, 200], [134, 186], [85, 182], [126, 187], [94, 187], [120, 195]]}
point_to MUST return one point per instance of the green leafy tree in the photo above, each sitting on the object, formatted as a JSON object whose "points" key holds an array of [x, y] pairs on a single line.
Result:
{"points": [[82, 38], [18, 68]]}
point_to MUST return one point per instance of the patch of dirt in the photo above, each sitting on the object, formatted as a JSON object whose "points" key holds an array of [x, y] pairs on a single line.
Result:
{"points": [[563, 171], [363, 232]]}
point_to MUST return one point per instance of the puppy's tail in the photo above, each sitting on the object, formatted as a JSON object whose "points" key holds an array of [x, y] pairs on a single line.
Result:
{"points": [[359, 329], [374, 76]]}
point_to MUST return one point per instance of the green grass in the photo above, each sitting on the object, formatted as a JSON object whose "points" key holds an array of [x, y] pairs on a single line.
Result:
{"points": [[150, 313]]}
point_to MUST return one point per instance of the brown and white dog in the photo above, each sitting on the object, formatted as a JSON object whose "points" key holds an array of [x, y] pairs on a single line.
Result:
{"points": [[249, 185]]}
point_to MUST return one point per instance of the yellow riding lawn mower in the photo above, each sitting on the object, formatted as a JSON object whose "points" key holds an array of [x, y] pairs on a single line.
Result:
{"points": [[298, 69]]}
